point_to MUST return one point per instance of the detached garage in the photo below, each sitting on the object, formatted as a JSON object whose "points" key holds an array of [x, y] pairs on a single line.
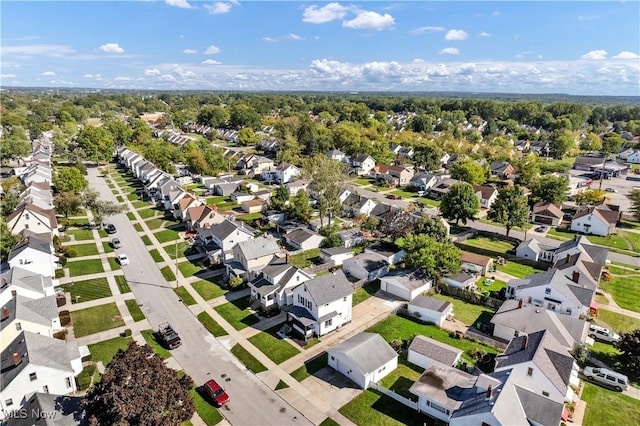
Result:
{"points": [[430, 310], [406, 284], [364, 358]]}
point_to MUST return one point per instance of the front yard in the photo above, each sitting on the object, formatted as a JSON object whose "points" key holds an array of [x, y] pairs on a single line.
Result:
{"points": [[237, 314], [275, 348], [88, 249], [609, 408], [105, 351], [85, 267], [486, 243], [624, 290], [617, 322], [84, 291], [208, 290], [94, 320]]}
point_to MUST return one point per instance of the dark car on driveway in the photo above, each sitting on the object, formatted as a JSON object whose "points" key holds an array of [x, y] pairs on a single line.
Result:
{"points": [[393, 197], [216, 393], [110, 228]]}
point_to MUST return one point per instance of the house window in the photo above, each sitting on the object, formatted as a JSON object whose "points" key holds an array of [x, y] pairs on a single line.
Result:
{"points": [[68, 381], [308, 304], [8, 402], [344, 299], [516, 333], [328, 323], [545, 393], [33, 376], [26, 216], [18, 326], [547, 290], [529, 371], [568, 311], [332, 358], [45, 389]]}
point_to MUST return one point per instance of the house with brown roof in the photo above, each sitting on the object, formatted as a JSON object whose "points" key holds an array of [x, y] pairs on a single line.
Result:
{"points": [[486, 195], [476, 263], [202, 217], [547, 213], [253, 206], [29, 216], [184, 204], [595, 220]]}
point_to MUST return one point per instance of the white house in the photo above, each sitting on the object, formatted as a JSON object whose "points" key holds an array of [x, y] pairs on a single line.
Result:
{"points": [[634, 158], [364, 358], [336, 155], [336, 254], [38, 316], [34, 255], [274, 286], [37, 363], [355, 205], [29, 216], [423, 351], [320, 306], [25, 283], [296, 186], [406, 284], [251, 256], [351, 237], [229, 233], [429, 309], [303, 239], [388, 251], [486, 195], [366, 266], [363, 164], [460, 280], [423, 181], [241, 197], [595, 220], [281, 174]]}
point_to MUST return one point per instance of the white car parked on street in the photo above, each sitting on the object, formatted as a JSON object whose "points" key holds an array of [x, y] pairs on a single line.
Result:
{"points": [[123, 259]]}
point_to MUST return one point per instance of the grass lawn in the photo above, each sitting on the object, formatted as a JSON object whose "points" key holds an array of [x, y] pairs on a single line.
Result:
{"points": [[618, 322], [404, 194], [237, 314], [627, 224], [168, 274], [466, 312], [625, 291], [188, 269], [633, 238], [365, 292], [167, 235], [119, 199], [123, 286], [208, 290], [133, 197], [104, 351], [85, 267], [156, 256], [154, 223], [88, 373], [304, 259], [87, 290], [171, 250], [247, 359], [618, 270], [311, 367], [137, 227], [560, 233], [399, 328], [249, 217], [372, 408], [154, 344], [210, 324], [138, 204], [329, 422], [134, 310], [517, 269], [217, 200], [89, 249], [186, 297], [606, 353], [401, 379], [94, 320], [107, 247], [207, 412], [148, 213], [146, 240], [497, 285], [489, 244], [275, 348], [364, 181], [80, 234], [79, 221], [113, 264], [429, 201], [613, 241], [609, 408], [131, 216]]}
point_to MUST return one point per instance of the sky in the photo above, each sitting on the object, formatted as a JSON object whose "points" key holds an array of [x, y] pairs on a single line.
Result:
{"points": [[579, 48]]}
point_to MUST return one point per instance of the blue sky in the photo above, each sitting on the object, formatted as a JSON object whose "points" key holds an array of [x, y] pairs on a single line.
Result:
{"points": [[586, 48]]}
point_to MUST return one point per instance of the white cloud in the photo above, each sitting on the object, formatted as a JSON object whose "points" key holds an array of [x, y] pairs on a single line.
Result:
{"points": [[37, 49], [270, 39], [595, 54], [289, 36], [189, 51], [456, 35], [218, 8], [292, 36], [120, 78], [368, 20], [212, 50], [111, 48], [496, 13], [211, 62], [48, 73], [320, 15], [7, 76], [626, 55], [421, 30], [449, 51], [152, 72], [484, 34], [93, 76], [183, 4]]}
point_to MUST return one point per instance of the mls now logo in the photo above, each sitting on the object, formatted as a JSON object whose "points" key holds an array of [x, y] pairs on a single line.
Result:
{"points": [[34, 413]]}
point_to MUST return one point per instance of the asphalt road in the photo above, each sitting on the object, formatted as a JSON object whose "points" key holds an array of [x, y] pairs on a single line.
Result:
{"points": [[201, 355]]}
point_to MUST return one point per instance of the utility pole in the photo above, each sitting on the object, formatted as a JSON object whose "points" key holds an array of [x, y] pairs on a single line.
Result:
{"points": [[176, 263]]}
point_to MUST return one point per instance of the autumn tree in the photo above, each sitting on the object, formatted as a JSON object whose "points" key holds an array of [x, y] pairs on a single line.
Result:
{"points": [[430, 256], [589, 196], [460, 203], [550, 188], [137, 388], [247, 137], [510, 208], [634, 196], [468, 171], [328, 181], [67, 203], [69, 179]]}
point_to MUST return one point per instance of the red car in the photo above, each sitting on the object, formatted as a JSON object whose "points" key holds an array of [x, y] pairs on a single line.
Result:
{"points": [[219, 396], [393, 197]]}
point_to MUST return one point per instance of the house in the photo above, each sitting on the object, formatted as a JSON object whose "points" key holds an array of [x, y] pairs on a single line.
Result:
{"points": [[534, 250], [185, 204], [364, 358], [336, 155], [406, 152], [405, 284], [634, 158], [263, 194], [515, 318], [486, 195], [253, 206], [281, 174], [441, 188], [476, 263], [34, 255], [595, 220], [274, 286], [547, 214], [297, 186], [251, 256], [34, 362], [201, 217], [226, 235], [303, 239], [20, 313], [151, 187], [423, 181], [351, 237], [429, 309], [395, 175], [388, 251], [25, 283], [320, 306], [423, 351], [461, 280], [45, 409], [224, 188], [241, 197], [501, 169], [355, 205], [337, 255], [258, 164], [366, 266], [541, 364], [29, 216], [362, 164]]}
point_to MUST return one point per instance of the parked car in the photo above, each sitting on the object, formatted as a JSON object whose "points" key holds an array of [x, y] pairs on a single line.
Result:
{"points": [[216, 393], [606, 377], [420, 193], [604, 334], [609, 189], [169, 336], [123, 259], [541, 228], [110, 228], [115, 243], [393, 197]]}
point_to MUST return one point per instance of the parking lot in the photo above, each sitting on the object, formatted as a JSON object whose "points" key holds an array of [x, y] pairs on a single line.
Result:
{"points": [[622, 186]]}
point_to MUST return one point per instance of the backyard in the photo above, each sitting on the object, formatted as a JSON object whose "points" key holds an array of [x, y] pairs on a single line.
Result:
{"points": [[487, 243], [516, 269], [94, 320], [372, 408], [608, 408], [624, 290], [365, 292], [306, 258], [466, 312]]}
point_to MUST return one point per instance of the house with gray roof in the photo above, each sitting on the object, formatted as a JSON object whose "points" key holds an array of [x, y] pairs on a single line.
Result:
{"points": [[423, 351], [26, 283], [367, 266], [364, 358], [251, 256], [405, 283], [227, 234], [35, 315], [320, 306], [303, 239], [429, 309], [337, 255], [33, 363], [34, 254], [45, 409], [273, 288]]}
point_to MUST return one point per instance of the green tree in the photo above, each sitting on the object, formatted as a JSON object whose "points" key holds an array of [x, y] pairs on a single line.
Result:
{"points": [[510, 208], [634, 196], [213, 115], [431, 226], [611, 143], [243, 115], [96, 143], [280, 199], [15, 144], [9, 203], [430, 256], [550, 188], [561, 143], [328, 181], [428, 156], [247, 137], [629, 346], [460, 203], [591, 143], [589, 196], [528, 169], [69, 179], [7, 241], [468, 171], [100, 208], [67, 203], [120, 131], [300, 207]]}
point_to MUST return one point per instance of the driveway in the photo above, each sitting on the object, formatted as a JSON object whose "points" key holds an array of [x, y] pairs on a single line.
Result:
{"points": [[201, 355], [331, 387]]}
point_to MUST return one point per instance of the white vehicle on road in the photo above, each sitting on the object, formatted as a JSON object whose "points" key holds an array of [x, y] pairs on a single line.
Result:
{"points": [[123, 259]]}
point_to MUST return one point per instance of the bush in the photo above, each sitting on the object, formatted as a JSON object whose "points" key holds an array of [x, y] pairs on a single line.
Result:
{"points": [[236, 282], [65, 318], [61, 335], [71, 252], [62, 260], [127, 332]]}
